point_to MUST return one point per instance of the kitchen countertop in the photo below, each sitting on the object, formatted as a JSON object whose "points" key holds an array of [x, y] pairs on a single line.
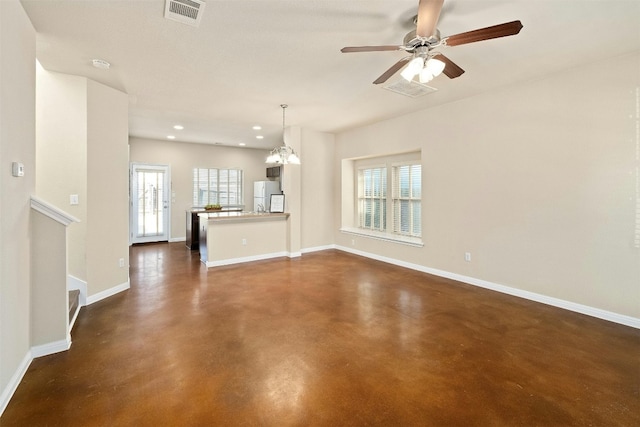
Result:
{"points": [[242, 216]]}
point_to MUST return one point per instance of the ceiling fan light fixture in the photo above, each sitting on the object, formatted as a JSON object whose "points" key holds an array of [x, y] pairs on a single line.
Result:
{"points": [[426, 75], [413, 68], [435, 66]]}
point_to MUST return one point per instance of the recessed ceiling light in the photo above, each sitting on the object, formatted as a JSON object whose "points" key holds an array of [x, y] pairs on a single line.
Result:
{"points": [[256, 127], [259, 137], [178, 127], [101, 63], [242, 144], [171, 137]]}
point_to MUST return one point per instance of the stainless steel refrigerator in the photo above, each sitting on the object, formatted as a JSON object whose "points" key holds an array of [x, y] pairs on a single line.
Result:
{"points": [[262, 191]]}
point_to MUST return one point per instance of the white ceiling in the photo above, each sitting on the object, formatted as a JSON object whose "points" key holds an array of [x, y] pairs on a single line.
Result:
{"points": [[248, 57]]}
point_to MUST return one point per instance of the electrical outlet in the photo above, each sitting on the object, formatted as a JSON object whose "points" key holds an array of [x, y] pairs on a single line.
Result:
{"points": [[353, 242], [244, 242], [467, 256], [121, 262]]}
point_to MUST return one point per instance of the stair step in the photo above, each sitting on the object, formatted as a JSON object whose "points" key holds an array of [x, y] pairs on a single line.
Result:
{"points": [[74, 300]]}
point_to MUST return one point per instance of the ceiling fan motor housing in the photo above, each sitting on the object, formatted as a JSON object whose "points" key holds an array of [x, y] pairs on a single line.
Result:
{"points": [[411, 40], [422, 52]]}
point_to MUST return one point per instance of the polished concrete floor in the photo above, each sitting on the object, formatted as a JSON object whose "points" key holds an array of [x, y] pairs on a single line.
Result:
{"points": [[329, 339]]}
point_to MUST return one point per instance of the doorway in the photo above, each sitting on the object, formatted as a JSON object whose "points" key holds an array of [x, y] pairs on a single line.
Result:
{"points": [[150, 197]]}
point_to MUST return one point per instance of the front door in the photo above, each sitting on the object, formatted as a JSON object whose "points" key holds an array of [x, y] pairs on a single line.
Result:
{"points": [[149, 203]]}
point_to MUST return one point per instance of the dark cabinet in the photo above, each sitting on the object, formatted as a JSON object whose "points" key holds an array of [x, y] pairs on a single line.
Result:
{"points": [[193, 229], [273, 172]]}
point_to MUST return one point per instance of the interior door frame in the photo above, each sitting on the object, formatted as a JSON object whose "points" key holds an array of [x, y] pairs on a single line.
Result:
{"points": [[133, 202]]}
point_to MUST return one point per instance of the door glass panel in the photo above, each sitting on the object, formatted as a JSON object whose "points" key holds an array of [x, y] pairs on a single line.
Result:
{"points": [[150, 203]]}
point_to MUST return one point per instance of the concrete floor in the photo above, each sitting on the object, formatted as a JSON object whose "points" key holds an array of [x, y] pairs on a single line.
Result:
{"points": [[328, 339]]}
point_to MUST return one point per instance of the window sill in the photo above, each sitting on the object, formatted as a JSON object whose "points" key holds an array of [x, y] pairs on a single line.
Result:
{"points": [[387, 237]]}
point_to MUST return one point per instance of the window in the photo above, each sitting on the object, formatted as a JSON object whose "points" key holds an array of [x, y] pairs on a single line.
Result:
{"points": [[387, 198], [372, 198], [217, 186], [406, 193]]}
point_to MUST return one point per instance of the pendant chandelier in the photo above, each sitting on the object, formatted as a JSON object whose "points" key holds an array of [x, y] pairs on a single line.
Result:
{"points": [[284, 154]]}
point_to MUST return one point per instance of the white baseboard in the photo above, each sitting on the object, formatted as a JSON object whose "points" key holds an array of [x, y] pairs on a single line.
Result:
{"points": [[36, 351], [15, 380], [57, 346], [246, 259], [108, 292], [544, 299], [74, 318], [79, 284], [318, 249], [51, 348], [268, 256], [177, 239]]}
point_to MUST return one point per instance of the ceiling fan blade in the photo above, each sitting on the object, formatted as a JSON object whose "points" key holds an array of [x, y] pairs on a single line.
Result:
{"points": [[369, 48], [502, 30], [451, 69], [391, 71], [428, 14]]}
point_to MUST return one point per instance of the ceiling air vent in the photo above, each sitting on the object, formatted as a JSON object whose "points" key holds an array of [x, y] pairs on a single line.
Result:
{"points": [[185, 11], [411, 89]]}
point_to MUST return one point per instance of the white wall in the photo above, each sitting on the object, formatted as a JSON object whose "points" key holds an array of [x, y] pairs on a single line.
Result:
{"points": [[83, 149], [291, 183], [17, 144], [107, 188], [537, 180], [61, 154], [318, 175], [49, 299], [184, 157]]}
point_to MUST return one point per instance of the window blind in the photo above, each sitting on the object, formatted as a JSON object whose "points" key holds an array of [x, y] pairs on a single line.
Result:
{"points": [[406, 199], [372, 198], [217, 186]]}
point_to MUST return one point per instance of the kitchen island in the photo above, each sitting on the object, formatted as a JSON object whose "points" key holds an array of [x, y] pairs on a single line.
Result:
{"points": [[193, 224], [235, 237]]}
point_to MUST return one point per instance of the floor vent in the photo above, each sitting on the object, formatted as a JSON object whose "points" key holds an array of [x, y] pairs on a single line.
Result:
{"points": [[411, 89], [185, 11]]}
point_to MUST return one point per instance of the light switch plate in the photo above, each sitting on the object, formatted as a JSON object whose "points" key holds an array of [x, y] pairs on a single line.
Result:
{"points": [[17, 169], [73, 199]]}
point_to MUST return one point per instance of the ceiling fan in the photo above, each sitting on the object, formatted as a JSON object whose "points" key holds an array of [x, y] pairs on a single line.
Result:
{"points": [[422, 42]]}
